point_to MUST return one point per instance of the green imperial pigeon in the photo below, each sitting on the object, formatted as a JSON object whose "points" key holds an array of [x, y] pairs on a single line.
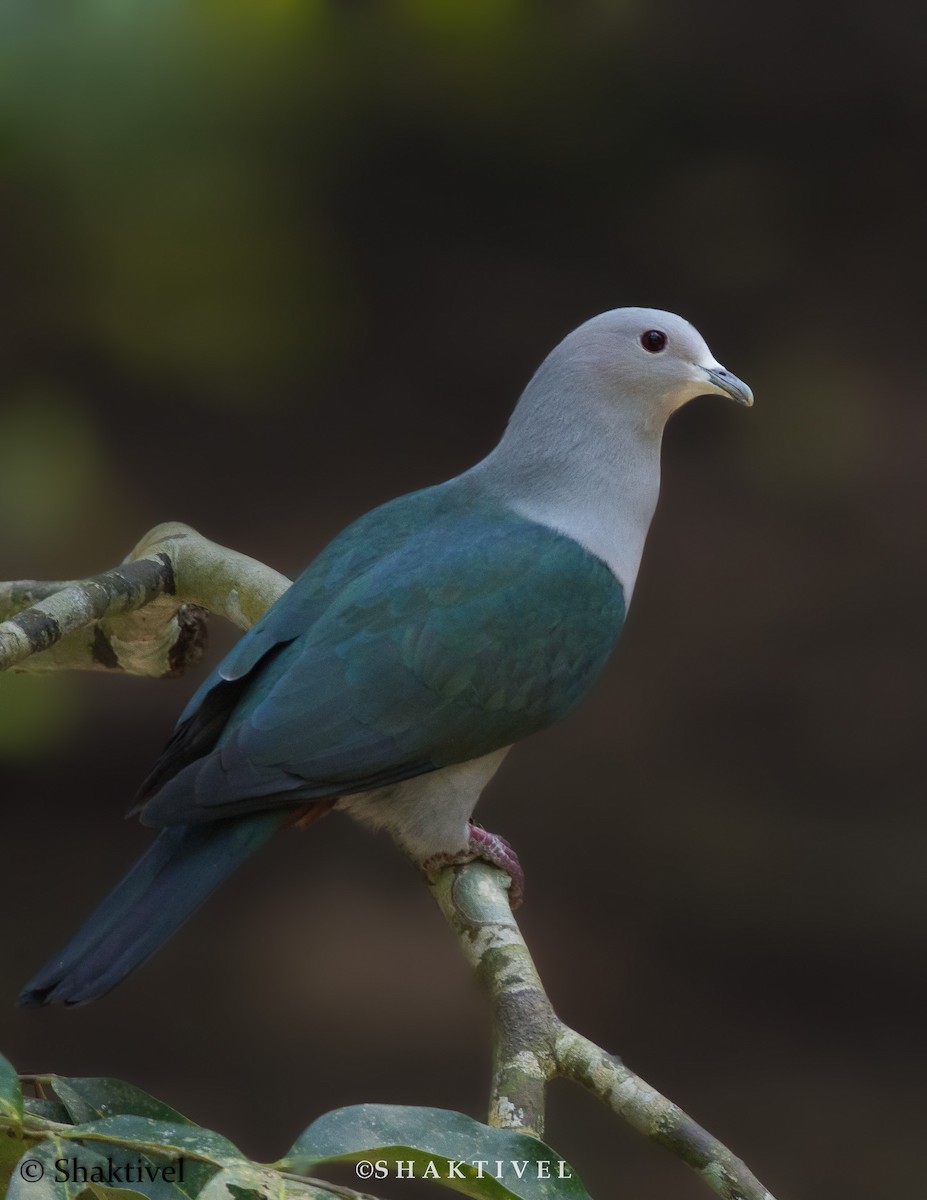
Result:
{"points": [[394, 676]]}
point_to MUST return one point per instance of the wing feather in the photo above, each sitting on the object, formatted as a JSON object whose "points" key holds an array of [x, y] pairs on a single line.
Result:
{"points": [[467, 630]]}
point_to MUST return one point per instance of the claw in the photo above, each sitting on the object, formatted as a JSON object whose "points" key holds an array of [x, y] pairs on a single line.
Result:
{"points": [[490, 848]]}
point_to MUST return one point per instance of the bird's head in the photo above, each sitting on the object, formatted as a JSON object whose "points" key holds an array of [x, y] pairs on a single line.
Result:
{"points": [[648, 359], [603, 395]]}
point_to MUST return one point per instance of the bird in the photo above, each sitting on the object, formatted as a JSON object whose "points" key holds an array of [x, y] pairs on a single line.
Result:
{"points": [[432, 634]]}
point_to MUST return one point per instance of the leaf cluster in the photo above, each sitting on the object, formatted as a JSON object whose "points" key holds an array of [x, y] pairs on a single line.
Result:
{"points": [[115, 1132]]}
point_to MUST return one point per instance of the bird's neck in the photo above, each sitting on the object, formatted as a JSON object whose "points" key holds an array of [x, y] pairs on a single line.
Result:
{"points": [[580, 465]]}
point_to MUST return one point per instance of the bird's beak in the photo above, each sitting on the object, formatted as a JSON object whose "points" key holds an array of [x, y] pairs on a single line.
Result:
{"points": [[729, 385]]}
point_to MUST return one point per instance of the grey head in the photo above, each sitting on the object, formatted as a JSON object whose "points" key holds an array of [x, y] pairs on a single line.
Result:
{"points": [[646, 361], [581, 452]]}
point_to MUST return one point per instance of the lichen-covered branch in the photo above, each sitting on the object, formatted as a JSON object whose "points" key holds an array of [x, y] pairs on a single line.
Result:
{"points": [[475, 904], [532, 1045], [144, 617]]}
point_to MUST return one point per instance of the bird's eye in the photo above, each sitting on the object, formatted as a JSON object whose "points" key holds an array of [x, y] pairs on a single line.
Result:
{"points": [[653, 341]]}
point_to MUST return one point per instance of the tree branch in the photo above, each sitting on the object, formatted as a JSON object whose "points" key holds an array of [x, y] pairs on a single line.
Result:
{"points": [[532, 1045], [147, 617], [144, 617]]}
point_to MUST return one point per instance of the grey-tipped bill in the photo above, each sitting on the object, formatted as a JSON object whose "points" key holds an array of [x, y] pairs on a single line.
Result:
{"points": [[730, 385]]}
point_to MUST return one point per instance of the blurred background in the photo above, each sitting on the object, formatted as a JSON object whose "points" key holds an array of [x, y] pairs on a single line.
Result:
{"points": [[267, 265]]}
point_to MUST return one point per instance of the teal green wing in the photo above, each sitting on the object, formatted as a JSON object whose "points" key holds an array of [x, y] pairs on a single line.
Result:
{"points": [[248, 669], [472, 630]]}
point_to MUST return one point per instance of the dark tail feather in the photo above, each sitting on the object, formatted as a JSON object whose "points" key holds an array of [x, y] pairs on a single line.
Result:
{"points": [[171, 880]]}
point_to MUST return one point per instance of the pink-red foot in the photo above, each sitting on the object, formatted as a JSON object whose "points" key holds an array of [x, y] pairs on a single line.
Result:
{"points": [[491, 848]]}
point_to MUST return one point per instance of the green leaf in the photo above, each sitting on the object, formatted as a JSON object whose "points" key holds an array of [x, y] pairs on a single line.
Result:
{"points": [[251, 1182], [147, 1172], [64, 1167], [175, 1141], [446, 1147], [11, 1151], [93, 1099], [46, 1110], [99, 1191], [37, 1177], [11, 1094], [186, 1177]]}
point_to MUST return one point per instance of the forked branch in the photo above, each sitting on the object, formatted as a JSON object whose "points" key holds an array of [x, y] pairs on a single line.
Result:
{"points": [[144, 617], [532, 1045]]}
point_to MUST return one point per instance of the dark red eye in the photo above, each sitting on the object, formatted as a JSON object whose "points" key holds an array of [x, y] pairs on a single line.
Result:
{"points": [[653, 341]]}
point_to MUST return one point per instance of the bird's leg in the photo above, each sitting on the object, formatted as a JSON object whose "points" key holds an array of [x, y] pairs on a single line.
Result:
{"points": [[489, 848], [492, 848]]}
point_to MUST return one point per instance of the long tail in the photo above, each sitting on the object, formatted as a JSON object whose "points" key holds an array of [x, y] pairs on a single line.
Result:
{"points": [[171, 880]]}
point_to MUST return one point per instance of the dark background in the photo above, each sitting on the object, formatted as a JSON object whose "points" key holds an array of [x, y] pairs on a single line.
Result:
{"points": [[267, 265]]}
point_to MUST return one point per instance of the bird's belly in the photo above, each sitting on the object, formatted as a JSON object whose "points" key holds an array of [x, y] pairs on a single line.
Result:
{"points": [[429, 814]]}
